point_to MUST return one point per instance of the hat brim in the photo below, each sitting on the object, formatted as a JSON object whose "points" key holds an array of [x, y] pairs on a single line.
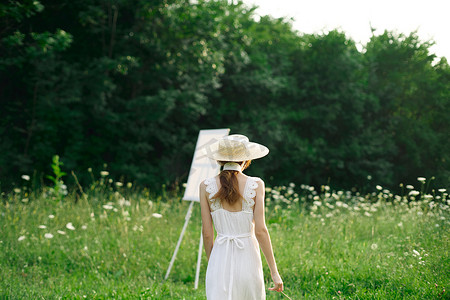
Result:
{"points": [[252, 151]]}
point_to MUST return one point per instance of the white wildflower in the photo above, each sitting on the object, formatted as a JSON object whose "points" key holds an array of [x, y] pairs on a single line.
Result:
{"points": [[70, 226], [329, 205], [416, 253], [317, 203], [17, 190], [442, 190], [414, 193], [379, 187], [400, 224], [129, 185], [51, 216], [42, 226], [367, 214], [421, 179], [48, 236], [84, 227], [374, 246], [123, 202], [61, 232], [26, 177], [21, 238], [119, 184], [107, 206], [104, 173], [156, 215], [369, 177]]}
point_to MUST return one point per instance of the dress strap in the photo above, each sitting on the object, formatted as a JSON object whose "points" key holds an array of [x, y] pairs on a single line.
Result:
{"points": [[250, 193], [212, 189]]}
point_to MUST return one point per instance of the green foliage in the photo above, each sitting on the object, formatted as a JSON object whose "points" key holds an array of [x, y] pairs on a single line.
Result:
{"points": [[118, 241], [130, 83], [410, 91], [59, 189]]}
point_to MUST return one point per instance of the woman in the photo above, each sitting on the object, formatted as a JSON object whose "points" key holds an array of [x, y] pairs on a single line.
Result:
{"points": [[234, 202]]}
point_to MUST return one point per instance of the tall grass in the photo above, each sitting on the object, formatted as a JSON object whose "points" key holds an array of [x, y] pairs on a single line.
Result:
{"points": [[114, 241]]}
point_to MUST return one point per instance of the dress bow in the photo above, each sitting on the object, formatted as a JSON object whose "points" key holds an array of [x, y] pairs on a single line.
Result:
{"points": [[231, 240]]}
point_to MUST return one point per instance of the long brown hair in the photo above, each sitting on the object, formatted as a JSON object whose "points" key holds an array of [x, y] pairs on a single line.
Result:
{"points": [[229, 190]]}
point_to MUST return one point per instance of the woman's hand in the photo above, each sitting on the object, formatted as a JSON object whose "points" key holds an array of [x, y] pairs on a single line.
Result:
{"points": [[278, 283]]}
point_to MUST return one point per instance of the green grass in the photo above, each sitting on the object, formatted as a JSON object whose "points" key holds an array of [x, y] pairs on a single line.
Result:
{"points": [[327, 245]]}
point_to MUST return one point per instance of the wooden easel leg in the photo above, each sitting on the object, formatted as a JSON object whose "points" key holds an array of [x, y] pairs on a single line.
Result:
{"points": [[188, 216], [199, 260]]}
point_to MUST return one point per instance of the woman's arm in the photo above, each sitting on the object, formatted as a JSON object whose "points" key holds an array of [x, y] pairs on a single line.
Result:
{"points": [[207, 225], [262, 234]]}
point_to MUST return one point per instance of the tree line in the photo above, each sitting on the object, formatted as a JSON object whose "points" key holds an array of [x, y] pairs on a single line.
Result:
{"points": [[130, 84]]}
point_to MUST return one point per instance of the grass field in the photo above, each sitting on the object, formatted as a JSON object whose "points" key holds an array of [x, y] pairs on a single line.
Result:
{"points": [[115, 241]]}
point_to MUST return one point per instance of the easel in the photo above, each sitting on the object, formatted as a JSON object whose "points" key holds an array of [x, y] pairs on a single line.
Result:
{"points": [[201, 169]]}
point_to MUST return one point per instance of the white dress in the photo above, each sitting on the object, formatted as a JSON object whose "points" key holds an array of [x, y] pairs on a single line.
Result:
{"points": [[234, 269]]}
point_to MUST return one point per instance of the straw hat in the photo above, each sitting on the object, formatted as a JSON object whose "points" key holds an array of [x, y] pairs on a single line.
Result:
{"points": [[235, 147]]}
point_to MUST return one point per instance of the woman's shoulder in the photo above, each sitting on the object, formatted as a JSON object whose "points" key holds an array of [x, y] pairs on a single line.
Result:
{"points": [[256, 179], [208, 180], [209, 185], [255, 183]]}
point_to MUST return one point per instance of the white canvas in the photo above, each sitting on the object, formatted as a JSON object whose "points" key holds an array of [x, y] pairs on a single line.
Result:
{"points": [[202, 167]]}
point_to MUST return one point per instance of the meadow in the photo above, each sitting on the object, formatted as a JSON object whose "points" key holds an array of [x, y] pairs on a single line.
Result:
{"points": [[114, 241]]}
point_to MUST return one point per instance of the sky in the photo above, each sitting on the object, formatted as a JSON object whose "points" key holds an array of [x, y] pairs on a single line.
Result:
{"points": [[355, 17]]}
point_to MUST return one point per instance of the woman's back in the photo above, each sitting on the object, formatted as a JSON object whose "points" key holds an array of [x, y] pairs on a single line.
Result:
{"points": [[242, 181], [235, 268]]}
